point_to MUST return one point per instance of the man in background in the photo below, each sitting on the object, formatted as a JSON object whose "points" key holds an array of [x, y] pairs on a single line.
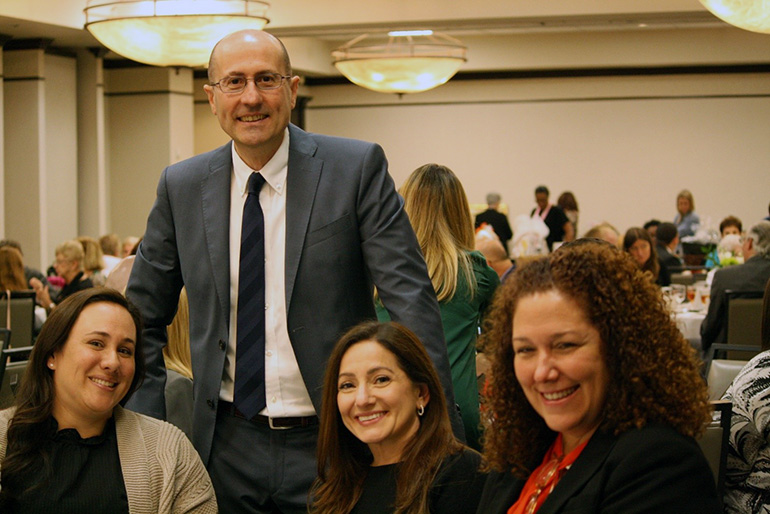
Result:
{"points": [[752, 275], [496, 219]]}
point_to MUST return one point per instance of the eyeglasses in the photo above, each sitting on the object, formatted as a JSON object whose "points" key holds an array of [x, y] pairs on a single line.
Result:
{"points": [[543, 480], [264, 82]]}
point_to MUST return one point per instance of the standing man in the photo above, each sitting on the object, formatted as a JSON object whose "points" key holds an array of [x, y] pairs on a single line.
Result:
{"points": [[497, 219], [559, 226], [278, 238]]}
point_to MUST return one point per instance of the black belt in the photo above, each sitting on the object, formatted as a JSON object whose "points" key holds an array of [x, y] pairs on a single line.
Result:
{"points": [[274, 423]]}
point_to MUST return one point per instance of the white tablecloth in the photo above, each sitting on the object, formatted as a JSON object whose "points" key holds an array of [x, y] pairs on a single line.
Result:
{"points": [[689, 322]]}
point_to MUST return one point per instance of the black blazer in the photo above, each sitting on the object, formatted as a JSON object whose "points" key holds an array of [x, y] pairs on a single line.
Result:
{"points": [[654, 469]]}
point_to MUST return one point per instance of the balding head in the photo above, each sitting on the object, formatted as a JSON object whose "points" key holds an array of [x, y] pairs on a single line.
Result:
{"points": [[247, 35]]}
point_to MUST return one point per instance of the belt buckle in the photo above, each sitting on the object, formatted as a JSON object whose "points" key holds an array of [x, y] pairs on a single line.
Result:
{"points": [[274, 427]]}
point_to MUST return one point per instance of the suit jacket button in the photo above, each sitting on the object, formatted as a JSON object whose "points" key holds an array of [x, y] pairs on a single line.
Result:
{"points": [[222, 345], [210, 403]]}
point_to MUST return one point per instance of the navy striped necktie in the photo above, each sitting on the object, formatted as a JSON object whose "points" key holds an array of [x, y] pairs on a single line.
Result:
{"points": [[249, 394]]}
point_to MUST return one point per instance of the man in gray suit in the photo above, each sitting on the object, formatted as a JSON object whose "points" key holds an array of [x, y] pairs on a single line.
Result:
{"points": [[333, 226], [752, 275]]}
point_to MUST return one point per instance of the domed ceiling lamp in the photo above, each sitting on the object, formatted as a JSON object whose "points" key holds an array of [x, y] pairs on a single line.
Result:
{"points": [[170, 32], [401, 62], [753, 15]]}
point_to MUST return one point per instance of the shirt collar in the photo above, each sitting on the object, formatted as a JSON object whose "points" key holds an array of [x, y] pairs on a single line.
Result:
{"points": [[274, 171]]}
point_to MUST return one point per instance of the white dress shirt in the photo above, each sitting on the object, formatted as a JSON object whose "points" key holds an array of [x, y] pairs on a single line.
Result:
{"points": [[286, 394]]}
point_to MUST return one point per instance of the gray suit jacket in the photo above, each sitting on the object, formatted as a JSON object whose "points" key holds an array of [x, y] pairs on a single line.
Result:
{"points": [[345, 230], [752, 275]]}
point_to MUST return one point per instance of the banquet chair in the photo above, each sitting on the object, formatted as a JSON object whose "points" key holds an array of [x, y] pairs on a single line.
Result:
{"points": [[22, 314], [14, 370], [5, 340], [744, 321], [714, 443], [721, 374]]}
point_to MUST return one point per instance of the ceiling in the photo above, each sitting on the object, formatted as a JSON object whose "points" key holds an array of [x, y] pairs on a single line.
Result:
{"points": [[329, 23]]}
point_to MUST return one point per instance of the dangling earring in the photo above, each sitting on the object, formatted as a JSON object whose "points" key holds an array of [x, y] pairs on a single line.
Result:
{"points": [[420, 410]]}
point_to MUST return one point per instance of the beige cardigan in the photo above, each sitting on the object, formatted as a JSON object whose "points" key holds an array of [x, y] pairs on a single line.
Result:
{"points": [[162, 471]]}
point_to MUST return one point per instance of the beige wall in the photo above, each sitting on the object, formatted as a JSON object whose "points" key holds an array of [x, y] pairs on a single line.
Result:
{"points": [[625, 146]]}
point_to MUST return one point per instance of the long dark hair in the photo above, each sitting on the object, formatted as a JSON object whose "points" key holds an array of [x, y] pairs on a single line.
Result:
{"points": [[343, 460], [26, 464], [634, 234]]}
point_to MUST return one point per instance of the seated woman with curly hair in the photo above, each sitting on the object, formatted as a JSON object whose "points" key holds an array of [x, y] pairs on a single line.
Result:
{"points": [[594, 398]]}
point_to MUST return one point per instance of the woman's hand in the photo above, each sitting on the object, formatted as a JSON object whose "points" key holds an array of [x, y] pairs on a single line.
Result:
{"points": [[41, 291]]}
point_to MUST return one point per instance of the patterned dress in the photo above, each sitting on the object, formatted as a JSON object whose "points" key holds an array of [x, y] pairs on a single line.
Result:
{"points": [[748, 461]]}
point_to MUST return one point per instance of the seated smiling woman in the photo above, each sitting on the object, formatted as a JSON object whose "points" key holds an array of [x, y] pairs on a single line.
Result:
{"points": [[594, 396], [385, 443], [67, 446]]}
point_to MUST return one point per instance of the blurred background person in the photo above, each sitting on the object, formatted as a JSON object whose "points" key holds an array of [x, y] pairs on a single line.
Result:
{"points": [[605, 232], [730, 232], [69, 267], [12, 279], [752, 275], [569, 205], [176, 355], [652, 228], [494, 252], [496, 219], [385, 443], [594, 397], [686, 221], [29, 272], [110, 244], [557, 222], [68, 443], [93, 260], [638, 243], [129, 246], [438, 210], [747, 480], [666, 242]]}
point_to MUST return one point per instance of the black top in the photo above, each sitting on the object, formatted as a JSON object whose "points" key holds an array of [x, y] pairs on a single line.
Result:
{"points": [[555, 221], [499, 222], [647, 470], [73, 287], [456, 489], [86, 476]]}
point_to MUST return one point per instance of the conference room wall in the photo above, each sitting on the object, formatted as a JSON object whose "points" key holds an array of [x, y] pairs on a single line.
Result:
{"points": [[624, 145], [40, 152]]}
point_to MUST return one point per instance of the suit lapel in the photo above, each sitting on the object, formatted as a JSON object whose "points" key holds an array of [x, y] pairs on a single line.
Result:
{"points": [[304, 172], [215, 193], [584, 468]]}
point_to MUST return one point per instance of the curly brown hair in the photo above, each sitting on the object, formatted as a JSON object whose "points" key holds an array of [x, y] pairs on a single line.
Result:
{"points": [[654, 372]]}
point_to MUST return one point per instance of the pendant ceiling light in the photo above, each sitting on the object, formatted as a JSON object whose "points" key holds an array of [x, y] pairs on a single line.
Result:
{"points": [[401, 62], [170, 32], [753, 15]]}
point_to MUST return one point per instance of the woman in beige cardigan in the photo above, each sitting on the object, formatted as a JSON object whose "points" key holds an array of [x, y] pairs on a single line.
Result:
{"points": [[68, 445]]}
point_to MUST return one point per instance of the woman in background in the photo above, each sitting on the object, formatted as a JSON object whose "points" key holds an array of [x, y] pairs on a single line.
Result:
{"points": [[385, 444], [68, 443], [595, 398], [93, 260], [12, 279], [569, 205], [686, 220], [638, 243], [438, 210]]}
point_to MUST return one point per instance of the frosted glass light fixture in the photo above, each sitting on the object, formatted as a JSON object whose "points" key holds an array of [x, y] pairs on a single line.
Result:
{"points": [[170, 32], [401, 61], [753, 15]]}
